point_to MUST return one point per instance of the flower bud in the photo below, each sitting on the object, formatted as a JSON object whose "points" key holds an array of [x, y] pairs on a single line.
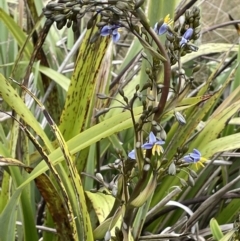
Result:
{"points": [[181, 120], [172, 169]]}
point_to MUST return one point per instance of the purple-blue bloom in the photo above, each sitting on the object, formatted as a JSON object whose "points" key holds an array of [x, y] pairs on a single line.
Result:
{"points": [[195, 157], [154, 144], [185, 38], [163, 28], [111, 30]]}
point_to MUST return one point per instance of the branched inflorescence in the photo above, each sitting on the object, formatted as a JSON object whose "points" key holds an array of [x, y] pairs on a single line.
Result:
{"points": [[112, 15], [109, 17]]}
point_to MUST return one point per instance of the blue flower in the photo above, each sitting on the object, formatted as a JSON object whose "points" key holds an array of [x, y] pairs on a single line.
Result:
{"points": [[195, 157], [185, 38], [111, 30], [161, 27], [154, 144]]}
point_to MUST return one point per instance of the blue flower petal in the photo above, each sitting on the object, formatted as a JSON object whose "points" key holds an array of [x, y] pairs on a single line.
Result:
{"points": [[111, 30], [188, 159], [163, 29], [106, 30], [152, 138], [188, 34], [160, 142], [195, 157], [147, 146], [197, 152], [115, 30], [116, 37], [131, 154], [183, 42]]}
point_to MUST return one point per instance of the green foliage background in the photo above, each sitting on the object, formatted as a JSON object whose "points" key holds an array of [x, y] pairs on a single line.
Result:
{"points": [[53, 149]]}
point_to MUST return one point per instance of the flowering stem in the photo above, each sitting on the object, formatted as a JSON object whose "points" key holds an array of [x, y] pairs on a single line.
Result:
{"points": [[166, 64]]}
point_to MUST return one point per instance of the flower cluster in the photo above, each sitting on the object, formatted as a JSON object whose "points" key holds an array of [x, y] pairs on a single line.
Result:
{"points": [[111, 30], [162, 27], [153, 143], [195, 157]]}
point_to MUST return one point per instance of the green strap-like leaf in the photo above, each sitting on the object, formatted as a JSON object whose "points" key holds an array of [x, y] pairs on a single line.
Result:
{"points": [[16, 32], [55, 204], [82, 86], [15, 102], [8, 218]]}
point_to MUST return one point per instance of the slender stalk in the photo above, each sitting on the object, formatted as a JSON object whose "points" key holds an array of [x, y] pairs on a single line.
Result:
{"points": [[166, 65]]}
